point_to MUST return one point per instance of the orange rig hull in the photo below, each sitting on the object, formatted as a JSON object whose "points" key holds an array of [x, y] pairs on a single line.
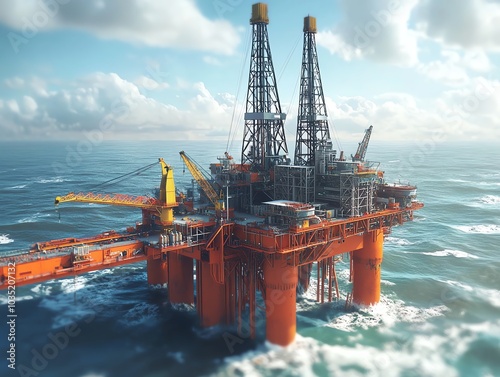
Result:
{"points": [[231, 261]]}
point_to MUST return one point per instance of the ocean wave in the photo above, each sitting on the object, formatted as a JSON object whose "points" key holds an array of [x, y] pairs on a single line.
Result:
{"points": [[42, 289], [33, 218], [142, 313], [310, 357], [449, 252], [18, 187], [490, 199], [51, 180], [478, 229], [458, 180], [4, 239], [388, 312], [491, 296], [473, 183], [398, 241], [19, 298]]}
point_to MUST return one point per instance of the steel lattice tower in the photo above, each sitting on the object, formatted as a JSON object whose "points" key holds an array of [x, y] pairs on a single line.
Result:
{"points": [[264, 137], [312, 119]]}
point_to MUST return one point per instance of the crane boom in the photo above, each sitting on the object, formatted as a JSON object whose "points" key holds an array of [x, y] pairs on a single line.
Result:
{"points": [[215, 199], [111, 199], [363, 146], [163, 205]]}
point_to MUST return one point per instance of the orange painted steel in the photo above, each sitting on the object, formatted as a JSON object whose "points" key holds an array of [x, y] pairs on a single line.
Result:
{"points": [[210, 298], [180, 279], [305, 276], [327, 277], [280, 280], [233, 262], [366, 269], [37, 266], [157, 271]]}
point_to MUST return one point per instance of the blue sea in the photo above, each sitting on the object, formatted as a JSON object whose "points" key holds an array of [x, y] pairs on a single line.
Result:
{"points": [[439, 313]]}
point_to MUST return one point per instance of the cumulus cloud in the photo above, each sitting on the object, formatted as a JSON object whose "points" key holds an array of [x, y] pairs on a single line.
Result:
{"points": [[86, 104], [463, 23], [401, 116], [178, 24], [14, 82], [150, 84], [373, 29], [454, 67]]}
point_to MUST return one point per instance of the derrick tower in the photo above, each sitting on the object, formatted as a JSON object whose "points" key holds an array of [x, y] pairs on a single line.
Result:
{"points": [[264, 137], [312, 119]]}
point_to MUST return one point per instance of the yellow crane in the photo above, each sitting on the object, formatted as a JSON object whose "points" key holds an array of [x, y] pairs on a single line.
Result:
{"points": [[161, 207], [216, 199]]}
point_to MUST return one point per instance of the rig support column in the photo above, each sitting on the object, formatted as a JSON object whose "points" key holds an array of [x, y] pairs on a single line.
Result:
{"points": [[180, 279], [280, 281], [157, 271], [367, 267], [305, 276], [211, 301]]}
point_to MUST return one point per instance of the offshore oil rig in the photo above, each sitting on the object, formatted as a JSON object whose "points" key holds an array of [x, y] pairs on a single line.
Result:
{"points": [[266, 224]]}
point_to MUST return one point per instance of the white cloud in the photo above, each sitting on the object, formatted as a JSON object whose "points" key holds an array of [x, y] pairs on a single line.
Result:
{"points": [[469, 113], [178, 24], [84, 104], [29, 105], [373, 29], [147, 83], [14, 82], [455, 67], [464, 23]]}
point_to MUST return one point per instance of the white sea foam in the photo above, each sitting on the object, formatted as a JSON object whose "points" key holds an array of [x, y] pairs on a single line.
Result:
{"points": [[307, 356], [33, 218], [490, 199], [388, 311], [4, 239], [51, 180], [492, 296], [42, 289], [18, 187], [480, 184], [448, 252], [398, 241], [479, 229], [4, 301], [458, 180]]}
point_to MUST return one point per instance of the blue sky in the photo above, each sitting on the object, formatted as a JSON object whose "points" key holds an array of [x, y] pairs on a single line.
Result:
{"points": [[424, 70]]}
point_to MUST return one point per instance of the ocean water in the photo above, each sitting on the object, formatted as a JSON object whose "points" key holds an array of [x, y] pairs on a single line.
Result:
{"points": [[439, 314]]}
